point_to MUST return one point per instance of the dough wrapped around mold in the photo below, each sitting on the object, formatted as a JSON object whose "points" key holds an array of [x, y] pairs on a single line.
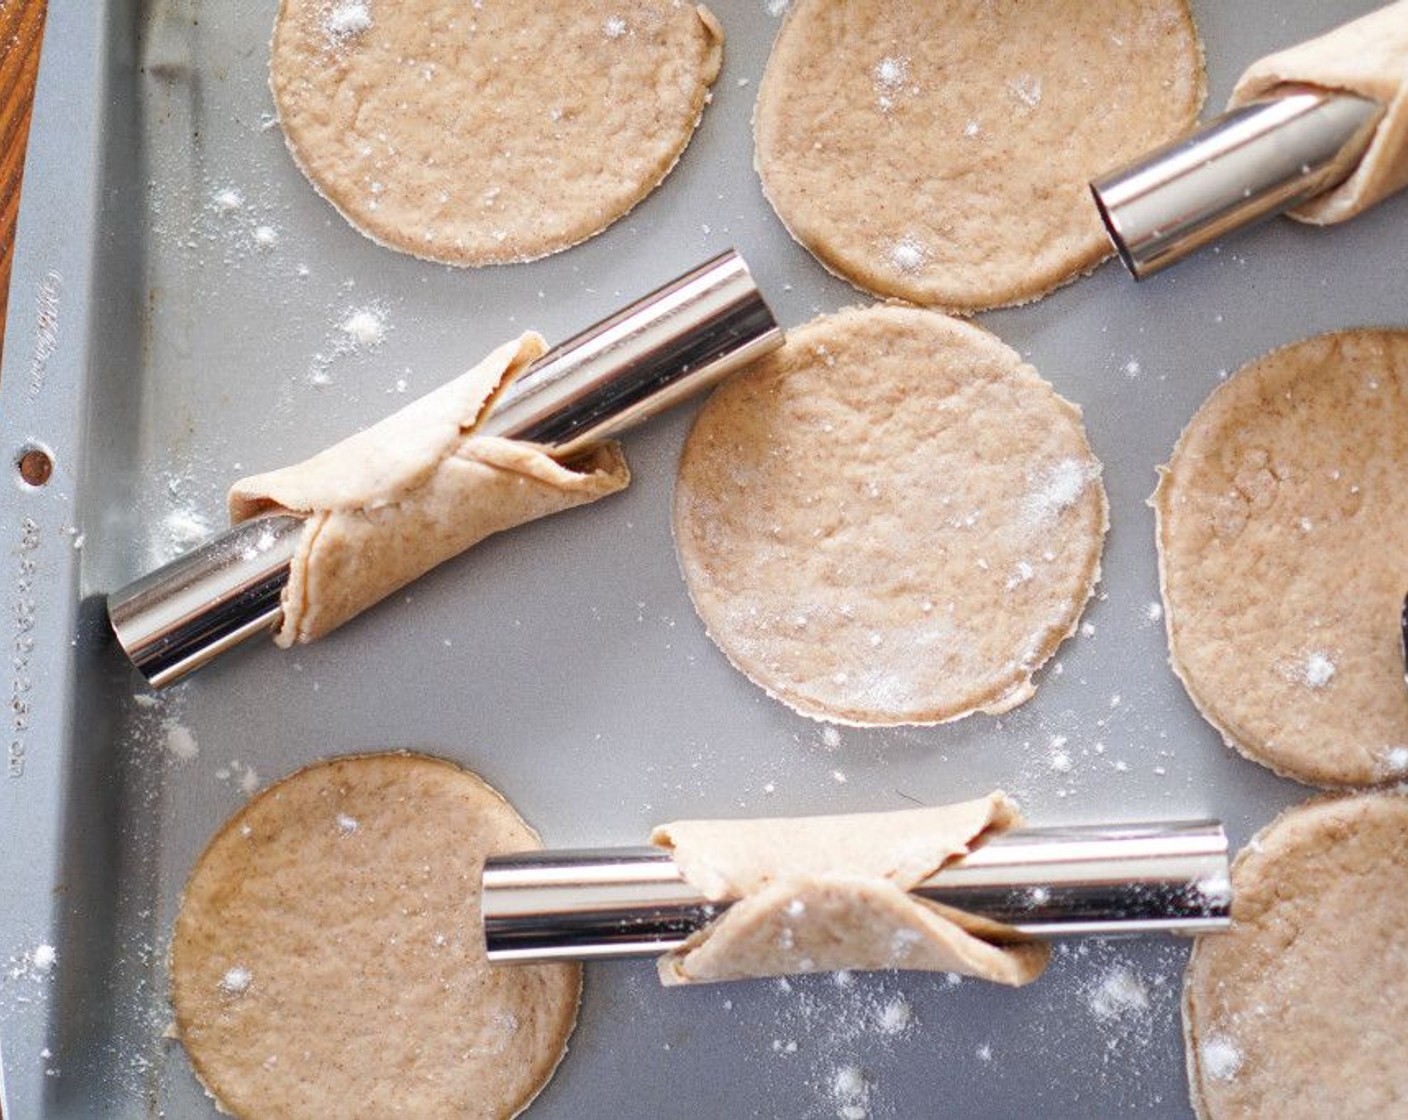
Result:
{"points": [[386, 505], [817, 894], [1369, 57]]}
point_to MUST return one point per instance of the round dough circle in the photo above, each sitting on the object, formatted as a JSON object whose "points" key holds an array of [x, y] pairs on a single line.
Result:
{"points": [[491, 133], [327, 958], [942, 152], [1283, 532], [1298, 1011], [891, 520]]}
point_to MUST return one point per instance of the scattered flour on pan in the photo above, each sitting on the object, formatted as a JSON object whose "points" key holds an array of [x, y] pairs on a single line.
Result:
{"points": [[896, 1016], [227, 199], [1220, 1057], [850, 1092], [246, 777], [365, 327], [179, 742], [358, 330], [1119, 993]]}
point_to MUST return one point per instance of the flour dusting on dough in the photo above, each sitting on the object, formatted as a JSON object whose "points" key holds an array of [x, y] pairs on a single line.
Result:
{"points": [[351, 17], [1220, 1057], [1060, 488]]}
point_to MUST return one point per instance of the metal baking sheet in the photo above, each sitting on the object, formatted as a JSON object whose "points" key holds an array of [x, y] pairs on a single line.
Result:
{"points": [[175, 321]]}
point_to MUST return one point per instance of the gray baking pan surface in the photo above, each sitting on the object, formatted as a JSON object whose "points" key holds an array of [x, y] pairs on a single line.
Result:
{"points": [[177, 320]]}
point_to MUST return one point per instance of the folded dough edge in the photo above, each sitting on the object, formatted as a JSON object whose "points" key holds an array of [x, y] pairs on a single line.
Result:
{"points": [[817, 894], [1368, 56], [391, 502]]}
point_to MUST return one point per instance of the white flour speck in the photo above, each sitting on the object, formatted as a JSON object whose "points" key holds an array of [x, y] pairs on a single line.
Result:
{"points": [[984, 1053], [183, 530], [236, 980], [1131, 368], [614, 27], [1021, 575], [896, 1016], [1154, 612], [1318, 670], [351, 17], [1060, 488], [831, 737], [364, 327], [44, 957], [1216, 890], [1026, 88], [971, 129], [1395, 761], [228, 199], [850, 1092], [1119, 993], [266, 237], [1220, 1057], [346, 824], [908, 254], [179, 741], [890, 72]]}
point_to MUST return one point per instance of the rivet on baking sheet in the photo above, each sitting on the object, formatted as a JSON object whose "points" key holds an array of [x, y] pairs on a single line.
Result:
{"points": [[35, 465]]}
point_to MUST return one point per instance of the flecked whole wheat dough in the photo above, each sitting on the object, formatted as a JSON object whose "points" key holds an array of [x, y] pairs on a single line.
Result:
{"points": [[814, 894], [1283, 555], [327, 958], [1297, 1013], [893, 519], [1369, 57], [475, 134], [941, 152], [391, 502]]}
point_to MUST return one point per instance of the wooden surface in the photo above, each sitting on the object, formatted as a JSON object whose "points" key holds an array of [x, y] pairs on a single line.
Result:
{"points": [[21, 24]]}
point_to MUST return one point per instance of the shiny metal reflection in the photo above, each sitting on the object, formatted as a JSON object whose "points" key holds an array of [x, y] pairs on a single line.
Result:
{"points": [[587, 904], [1252, 163], [673, 343]]}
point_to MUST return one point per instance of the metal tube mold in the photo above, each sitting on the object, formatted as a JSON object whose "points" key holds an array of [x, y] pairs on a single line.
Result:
{"points": [[1252, 163], [600, 903], [669, 345]]}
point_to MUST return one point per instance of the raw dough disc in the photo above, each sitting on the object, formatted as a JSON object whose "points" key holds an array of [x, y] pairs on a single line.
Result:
{"points": [[941, 152], [486, 133], [1298, 1011], [1283, 554], [891, 520], [328, 961]]}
